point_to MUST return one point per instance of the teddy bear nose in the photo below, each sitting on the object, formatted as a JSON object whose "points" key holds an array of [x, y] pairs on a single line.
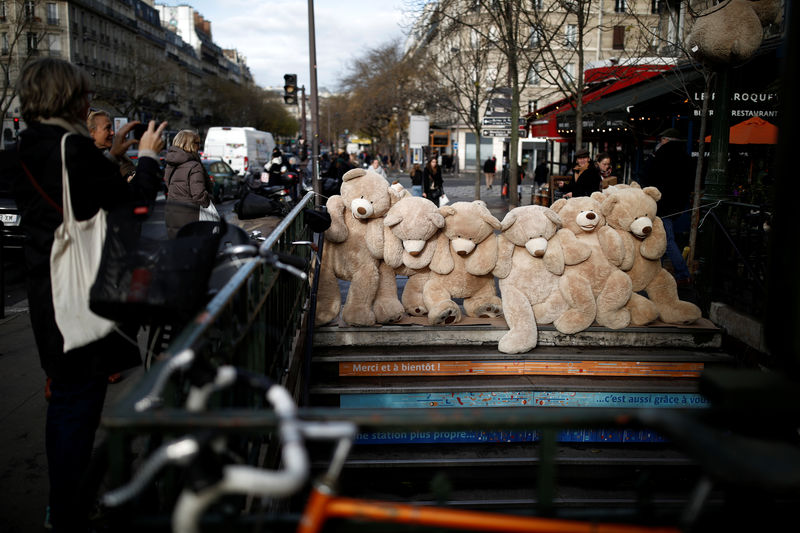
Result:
{"points": [[462, 253], [538, 253], [414, 254], [590, 215], [362, 211], [646, 230]]}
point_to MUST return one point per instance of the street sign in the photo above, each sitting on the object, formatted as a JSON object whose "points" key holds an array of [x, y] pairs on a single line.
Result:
{"points": [[499, 122], [504, 132]]}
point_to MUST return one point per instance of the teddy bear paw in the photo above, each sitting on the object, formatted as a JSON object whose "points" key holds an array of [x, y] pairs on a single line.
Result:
{"points": [[513, 342], [489, 310], [448, 315], [417, 310]]}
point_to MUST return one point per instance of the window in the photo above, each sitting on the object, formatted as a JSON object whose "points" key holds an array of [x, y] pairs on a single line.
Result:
{"points": [[537, 4], [4, 44], [52, 13], [536, 36], [571, 35], [568, 73], [620, 5], [54, 44], [619, 38], [33, 43], [655, 6], [533, 75], [3, 9], [30, 9]]}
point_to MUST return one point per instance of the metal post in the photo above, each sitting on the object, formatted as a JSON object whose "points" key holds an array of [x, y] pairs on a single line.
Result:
{"points": [[716, 187], [312, 51], [303, 128]]}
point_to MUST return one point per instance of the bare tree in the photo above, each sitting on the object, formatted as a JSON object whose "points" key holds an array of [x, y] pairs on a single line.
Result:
{"points": [[22, 37], [463, 77]]}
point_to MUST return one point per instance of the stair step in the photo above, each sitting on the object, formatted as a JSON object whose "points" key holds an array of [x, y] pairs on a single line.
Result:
{"points": [[491, 455], [476, 384], [473, 331]]}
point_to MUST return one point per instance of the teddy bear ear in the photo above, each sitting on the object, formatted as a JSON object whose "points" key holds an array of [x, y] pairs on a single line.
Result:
{"points": [[353, 174], [553, 217], [436, 219], [608, 204], [598, 196], [447, 211], [636, 185], [508, 220], [653, 192], [392, 218], [559, 204], [489, 218]]}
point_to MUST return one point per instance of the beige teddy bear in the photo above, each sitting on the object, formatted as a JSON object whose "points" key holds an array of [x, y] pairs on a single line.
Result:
{"points": [[353, 251], [731, 32], [603, 289], [462, 264], [530, 264], [631, 211], [411, 228]]}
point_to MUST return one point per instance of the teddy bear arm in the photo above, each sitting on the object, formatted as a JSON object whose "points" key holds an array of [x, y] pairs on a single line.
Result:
{"points": [[374, 238], [442, 262], [484, 258], [392, 249], [655, 245], [574, 251], [612, 245], [554, 257], [505, 250], [337, 232]]}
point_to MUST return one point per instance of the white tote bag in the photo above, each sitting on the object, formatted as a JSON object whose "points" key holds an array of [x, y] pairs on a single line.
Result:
{"points": [[74, 260], [443, 200], [209, 213]]}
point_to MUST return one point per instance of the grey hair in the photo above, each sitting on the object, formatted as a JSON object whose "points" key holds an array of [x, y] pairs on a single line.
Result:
{"points": [[53, 88], [91, 121]]}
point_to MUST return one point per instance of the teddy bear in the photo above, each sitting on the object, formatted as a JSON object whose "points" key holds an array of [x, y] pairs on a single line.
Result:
{"points": [[631, 211], [599, 289], [530, 263], [462, 264], [731, 32], [353, 251], [411, 227]]}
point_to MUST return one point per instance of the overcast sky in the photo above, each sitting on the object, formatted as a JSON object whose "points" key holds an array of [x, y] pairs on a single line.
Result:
{"points": [[273, 34]]}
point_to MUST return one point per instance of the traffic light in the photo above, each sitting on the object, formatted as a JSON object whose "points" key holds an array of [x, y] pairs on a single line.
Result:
{"points": [[16, 123], [290, 89]]}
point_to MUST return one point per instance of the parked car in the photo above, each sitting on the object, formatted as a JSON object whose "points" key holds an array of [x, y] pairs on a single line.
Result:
{"points": [[227, 183], [9, 215]]}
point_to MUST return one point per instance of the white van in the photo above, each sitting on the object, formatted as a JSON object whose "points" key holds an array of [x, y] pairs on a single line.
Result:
{"points": [[242, 148]]}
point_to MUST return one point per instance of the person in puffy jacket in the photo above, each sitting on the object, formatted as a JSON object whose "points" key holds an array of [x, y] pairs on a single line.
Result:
{"points": [[189, 187]]}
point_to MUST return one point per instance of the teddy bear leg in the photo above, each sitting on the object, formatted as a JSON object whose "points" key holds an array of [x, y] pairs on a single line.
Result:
{"points": [[611, 302], [329, 298], [357, 310], [441, 309], [663, 292], [412, 295], [484, 303], [522, 333], [642, 310], [582, 307], [387, 307], [550, 309]]}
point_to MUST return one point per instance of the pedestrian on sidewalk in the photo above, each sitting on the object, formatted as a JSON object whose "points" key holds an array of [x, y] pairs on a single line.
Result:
{"points": [[432, 181], [54, 98], [416, 180], [489, 169], [376, 167]]}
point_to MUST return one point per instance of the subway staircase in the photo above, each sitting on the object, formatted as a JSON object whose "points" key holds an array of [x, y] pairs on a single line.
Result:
{"points": [[619, 471]]}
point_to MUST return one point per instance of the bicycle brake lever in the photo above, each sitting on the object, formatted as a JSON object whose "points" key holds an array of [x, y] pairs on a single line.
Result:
{"points": [[179, 452], [152, 399]]}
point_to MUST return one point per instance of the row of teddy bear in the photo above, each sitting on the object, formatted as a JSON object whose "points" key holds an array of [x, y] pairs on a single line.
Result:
{"points": [[583, 260]]}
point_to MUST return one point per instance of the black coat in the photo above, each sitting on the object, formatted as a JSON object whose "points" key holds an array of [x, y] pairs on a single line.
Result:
{"points": [[95, 182], [671, 171], [588, 182], [432, 184]]}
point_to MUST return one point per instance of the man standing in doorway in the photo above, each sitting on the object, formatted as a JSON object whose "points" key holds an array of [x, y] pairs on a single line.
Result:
{"points": [[489, 168]]}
